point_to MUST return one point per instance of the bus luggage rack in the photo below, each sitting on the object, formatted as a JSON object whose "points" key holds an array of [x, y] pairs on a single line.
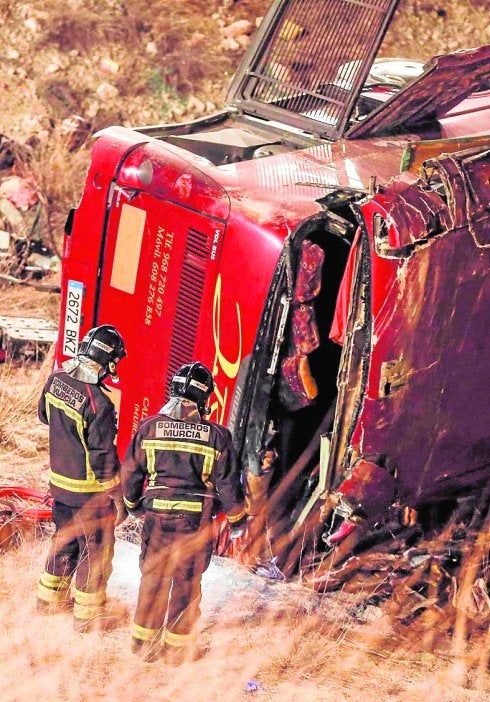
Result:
{"points": [[310, 61]]}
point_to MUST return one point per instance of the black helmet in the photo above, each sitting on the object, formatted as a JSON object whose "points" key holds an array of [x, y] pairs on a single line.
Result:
{"points": [[194, 382], [104, 345]]}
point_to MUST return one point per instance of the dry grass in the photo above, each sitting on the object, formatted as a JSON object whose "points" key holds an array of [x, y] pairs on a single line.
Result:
{"points": [[23, 439], [57, 194], [25, 301], [260, 633]]}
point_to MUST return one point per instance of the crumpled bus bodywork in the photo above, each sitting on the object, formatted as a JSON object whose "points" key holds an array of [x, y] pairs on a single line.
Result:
{"points": [[335, 301], [413, 418]]}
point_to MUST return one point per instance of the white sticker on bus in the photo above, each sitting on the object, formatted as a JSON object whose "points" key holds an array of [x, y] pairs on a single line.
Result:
{"points": [[73, 316]]}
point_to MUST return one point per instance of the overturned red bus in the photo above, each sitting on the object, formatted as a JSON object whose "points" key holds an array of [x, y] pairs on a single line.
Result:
{"points": [[258, 238]]}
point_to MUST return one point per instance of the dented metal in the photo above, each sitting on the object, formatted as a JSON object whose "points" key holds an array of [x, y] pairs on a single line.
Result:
{"points": [[424, 410], [338, 301]]}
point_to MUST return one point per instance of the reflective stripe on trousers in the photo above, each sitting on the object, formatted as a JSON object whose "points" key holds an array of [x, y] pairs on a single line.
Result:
{"points": [[81, 547], [174, 555]]}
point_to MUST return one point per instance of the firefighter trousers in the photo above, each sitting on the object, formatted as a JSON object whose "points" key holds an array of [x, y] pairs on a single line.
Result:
{"points": [[175, 552], [82, 547]]}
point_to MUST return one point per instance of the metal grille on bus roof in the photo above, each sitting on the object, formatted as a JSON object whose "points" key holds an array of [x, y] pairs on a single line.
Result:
{"points": [[299, 70], [188, 302]]}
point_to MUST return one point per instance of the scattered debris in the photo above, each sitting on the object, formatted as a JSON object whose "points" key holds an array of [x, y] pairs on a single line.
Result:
{"points": [[108, 66], [10, 152], [28, 338], [77, 130], [417, 577], [20, 508], [10, 214], [23, 256], [24, 259], [253, 686], [270, 571], [20, 191]]}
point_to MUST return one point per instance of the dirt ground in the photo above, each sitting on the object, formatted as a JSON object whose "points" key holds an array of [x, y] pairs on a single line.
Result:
{"points": [[131, 63]]}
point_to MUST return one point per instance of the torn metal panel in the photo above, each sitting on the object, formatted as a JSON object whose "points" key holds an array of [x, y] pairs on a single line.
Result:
{"points": [[447, 81], [410, 218], [425, 410], [463, 180], [417, 152], [26, 337]]}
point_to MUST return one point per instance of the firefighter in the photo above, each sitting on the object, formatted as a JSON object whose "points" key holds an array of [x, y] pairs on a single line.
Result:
{"points": [[178, 468], [84, 479]]}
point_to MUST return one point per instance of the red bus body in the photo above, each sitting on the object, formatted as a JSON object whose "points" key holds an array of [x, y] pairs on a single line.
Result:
{"points": [[225, 240]]}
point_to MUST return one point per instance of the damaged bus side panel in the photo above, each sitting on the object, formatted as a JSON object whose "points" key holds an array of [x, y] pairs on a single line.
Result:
{"points": [[411, 423]]}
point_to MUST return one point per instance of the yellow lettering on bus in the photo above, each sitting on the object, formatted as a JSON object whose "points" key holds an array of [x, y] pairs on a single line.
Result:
{"points": [[229, 367]]}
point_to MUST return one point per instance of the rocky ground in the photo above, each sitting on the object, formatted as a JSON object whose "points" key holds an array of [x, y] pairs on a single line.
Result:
{"points": [[69, 69]]}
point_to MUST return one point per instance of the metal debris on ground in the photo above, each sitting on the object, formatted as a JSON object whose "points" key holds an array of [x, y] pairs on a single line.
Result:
{"points": [[26, 338], [423, 581], [270, 570], [23, 256], [22, 508], [254, 686]]}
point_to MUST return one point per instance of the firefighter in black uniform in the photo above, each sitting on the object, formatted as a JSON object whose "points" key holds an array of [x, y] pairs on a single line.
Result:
{"points": [[84, 478], [177, 468]]}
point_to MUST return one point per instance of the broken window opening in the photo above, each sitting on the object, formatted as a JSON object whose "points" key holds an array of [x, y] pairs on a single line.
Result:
{"points": [[436, 184], [296, 405], [354, 365]]}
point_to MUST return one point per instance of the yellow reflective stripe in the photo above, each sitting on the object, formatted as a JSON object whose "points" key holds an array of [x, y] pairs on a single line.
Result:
{"points": [[150, 464], [78, 419], [85, 611], [178, 639], [185, 505], [210, 454], [52, 595], [129, 504], [90, 599], [74, 485], [57, 582], [232, 518], [144, 634]]}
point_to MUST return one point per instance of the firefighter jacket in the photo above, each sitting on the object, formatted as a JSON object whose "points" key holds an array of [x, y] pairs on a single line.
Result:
{"points": [[82, 430], [178, 464]]}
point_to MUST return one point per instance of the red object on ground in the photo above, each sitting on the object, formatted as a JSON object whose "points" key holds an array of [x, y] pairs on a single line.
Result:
{"points": [[344, 530], [40, 511]]}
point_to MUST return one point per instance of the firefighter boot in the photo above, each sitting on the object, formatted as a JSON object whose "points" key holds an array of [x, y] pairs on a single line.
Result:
{"points": [[176, 655], [44, 607], [148, 651]]}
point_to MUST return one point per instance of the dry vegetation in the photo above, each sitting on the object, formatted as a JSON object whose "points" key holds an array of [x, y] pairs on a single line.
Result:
{"points": [[135, 62]]}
